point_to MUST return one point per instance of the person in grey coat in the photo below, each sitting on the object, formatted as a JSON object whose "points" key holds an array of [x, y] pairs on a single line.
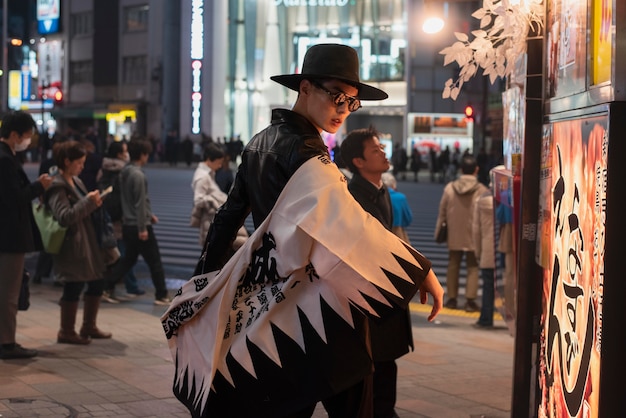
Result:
{"points": [[456, 210], [80, 259], [19, 234]]}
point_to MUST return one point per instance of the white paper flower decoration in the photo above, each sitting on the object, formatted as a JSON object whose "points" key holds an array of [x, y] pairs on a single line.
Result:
{"points": [[501, 39]]}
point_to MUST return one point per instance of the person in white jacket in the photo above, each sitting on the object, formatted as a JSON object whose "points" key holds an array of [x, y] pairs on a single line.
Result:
{"points": [[207, 195]]}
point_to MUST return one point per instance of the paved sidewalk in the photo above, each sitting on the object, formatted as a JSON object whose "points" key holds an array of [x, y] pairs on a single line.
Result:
{"points": [[455, 370]]}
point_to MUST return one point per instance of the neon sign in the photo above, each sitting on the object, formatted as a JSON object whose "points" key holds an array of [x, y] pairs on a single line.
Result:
{"points": [[197, 55]]}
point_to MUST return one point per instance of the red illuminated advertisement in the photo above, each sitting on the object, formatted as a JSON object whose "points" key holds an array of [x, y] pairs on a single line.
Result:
{"points": [[573, 205]]}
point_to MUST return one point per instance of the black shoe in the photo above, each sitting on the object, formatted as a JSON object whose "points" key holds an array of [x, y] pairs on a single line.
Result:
{"points": [[451, 303], [17, 351], [478, 325], [471, 306]]}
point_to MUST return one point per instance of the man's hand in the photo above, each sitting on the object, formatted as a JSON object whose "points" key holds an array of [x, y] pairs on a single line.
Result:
{"points": [[154, 219], [431, 285], [143, 235]]}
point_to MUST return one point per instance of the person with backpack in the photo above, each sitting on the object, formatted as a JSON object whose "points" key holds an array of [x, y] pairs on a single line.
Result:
{"points": [[112, 164]]}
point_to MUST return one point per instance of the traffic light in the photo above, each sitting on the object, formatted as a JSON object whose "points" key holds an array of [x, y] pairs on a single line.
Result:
{"points": [[469, 112], [58, 97]]}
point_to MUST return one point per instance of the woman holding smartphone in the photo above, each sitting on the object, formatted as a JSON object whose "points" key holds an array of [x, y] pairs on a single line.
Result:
{"points": [[80, 259]]}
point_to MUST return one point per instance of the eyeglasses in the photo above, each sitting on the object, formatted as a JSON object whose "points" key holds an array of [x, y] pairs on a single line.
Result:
{"points": [[340, 98]]}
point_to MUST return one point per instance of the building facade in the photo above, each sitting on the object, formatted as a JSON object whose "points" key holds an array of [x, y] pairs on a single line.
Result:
{"points": [[202, 67]]}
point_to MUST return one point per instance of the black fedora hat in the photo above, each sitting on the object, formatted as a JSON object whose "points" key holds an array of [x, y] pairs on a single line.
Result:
{"points": [[336, 61]]}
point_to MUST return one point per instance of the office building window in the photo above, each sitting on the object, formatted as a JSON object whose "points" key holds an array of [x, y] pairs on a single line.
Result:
{"points": [[81, 24], [81, 72], [135, 69], [136, 18]]}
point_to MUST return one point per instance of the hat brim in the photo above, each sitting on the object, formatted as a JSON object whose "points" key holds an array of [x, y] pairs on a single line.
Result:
{"points": [[292, 81]]}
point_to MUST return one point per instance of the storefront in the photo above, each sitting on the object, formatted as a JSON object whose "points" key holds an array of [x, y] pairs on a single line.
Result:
{"points": [[271, 37]]}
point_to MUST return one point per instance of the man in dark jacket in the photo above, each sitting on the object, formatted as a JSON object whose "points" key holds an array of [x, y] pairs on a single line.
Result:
{"points": [[391, 337], [329, 90], [19, 231]]}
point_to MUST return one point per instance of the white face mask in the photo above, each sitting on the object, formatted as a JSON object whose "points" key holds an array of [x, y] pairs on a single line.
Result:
{"points": [[22, 146]]}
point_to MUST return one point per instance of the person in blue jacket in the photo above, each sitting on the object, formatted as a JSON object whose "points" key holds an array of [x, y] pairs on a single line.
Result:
{"points": [[402, 214]]}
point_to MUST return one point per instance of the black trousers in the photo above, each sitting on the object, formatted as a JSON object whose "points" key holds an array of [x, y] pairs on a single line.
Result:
{"points": [[354, 402], [72, 290], [149, 250], [385, 385]]}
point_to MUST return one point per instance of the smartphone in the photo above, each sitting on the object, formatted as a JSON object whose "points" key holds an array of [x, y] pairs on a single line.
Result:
{"points": [[106, 191]]}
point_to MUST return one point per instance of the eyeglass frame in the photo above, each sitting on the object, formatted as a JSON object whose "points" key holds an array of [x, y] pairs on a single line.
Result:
{"points": [[334, 97]]}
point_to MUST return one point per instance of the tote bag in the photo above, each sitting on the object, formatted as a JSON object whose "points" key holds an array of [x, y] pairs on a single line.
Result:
{"points": [[52, 234]]}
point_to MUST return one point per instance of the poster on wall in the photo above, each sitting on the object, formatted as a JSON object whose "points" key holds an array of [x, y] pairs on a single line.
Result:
{"points": [[571, 323], [513, 119], [566, 47]]}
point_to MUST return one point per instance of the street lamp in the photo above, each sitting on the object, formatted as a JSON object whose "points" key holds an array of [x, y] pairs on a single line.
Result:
{"points": [[435, 13]]}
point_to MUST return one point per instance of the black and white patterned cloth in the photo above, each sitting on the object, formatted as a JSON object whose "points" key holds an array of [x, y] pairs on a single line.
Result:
{"points": [[284, 323]]}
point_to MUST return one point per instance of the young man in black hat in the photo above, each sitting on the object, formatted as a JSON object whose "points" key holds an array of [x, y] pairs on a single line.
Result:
{"points": [[329, 89]]}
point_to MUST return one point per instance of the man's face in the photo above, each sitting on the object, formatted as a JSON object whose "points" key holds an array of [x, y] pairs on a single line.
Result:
{"points": [[322, 111], [374, 160]]}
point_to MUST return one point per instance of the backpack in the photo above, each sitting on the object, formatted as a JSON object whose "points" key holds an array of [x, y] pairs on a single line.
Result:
{"points": [[113, 201]]}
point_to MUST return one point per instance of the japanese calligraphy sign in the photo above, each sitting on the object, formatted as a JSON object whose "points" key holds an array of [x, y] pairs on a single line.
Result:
{"points": [[574, 162]]}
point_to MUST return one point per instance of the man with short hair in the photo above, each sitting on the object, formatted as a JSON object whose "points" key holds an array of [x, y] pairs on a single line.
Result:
{"points": [[456, 209], [391, 337], [137, 220], [19, 231]]}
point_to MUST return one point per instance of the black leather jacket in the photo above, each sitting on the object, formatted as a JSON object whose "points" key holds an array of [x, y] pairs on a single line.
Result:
{"points": [[267, 163]]}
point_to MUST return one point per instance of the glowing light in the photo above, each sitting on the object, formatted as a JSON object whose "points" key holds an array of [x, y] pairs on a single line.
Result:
{"points": [[433, 25], [197, 54]]}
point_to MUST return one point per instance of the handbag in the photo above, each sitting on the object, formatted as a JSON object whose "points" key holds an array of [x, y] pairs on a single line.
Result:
{"points": [[23, 303], [104, 228], [442, 234], [52, 233]]}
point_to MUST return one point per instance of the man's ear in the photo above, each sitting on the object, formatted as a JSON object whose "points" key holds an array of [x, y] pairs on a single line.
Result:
{"points": [[305, 87], [358, 162]]}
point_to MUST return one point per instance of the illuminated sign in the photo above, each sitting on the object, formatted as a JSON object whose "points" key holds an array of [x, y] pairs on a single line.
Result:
{"points": [[15, 89], [197, 54], [48, 14]]}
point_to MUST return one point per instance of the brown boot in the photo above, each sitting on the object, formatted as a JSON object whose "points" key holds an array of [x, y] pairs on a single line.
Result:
{"points": [[90, 312], [67, 334]]}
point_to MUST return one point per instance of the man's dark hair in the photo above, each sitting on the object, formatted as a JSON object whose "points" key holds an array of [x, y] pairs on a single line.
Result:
{"points": [[18, 121], [115, 148], [468, 164], [138, 147], [352, 145], [70, 150], [213, 152]]}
